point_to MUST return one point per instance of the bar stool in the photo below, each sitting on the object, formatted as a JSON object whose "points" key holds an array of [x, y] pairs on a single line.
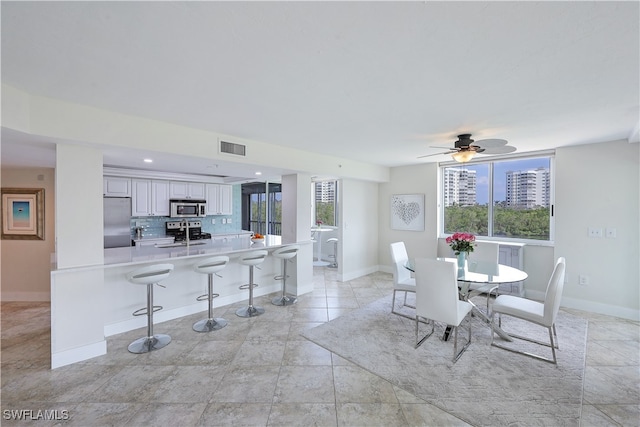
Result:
{"points": [[149, 276], [285, 254], [333, 256], [210, 266], [251, 259]]}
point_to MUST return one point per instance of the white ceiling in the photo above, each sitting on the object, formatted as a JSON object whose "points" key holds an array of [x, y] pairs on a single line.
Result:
{"points": [[380, 82]]}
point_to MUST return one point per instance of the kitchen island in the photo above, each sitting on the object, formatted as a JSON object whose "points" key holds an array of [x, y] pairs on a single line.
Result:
{"points": [[93, 302]]}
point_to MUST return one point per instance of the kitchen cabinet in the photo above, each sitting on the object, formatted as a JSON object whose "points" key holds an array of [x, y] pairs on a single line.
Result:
{"points": [[187, 190], [149, 197], [113, 186], [219, 199], [140, 197], [160, 198]]}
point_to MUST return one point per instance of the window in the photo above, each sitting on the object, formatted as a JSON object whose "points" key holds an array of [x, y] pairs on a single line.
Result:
{"points": [[325, 202], [520, 190]]}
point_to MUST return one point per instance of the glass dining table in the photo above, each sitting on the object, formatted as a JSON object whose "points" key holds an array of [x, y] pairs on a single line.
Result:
{"points": [[485, 276]]}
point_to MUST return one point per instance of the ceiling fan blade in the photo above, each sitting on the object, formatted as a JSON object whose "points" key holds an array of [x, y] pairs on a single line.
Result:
{"points": [[486, 143], [435, 154], [444, 148], [500, 150]]}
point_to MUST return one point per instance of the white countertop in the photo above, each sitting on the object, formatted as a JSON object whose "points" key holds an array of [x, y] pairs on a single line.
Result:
{"points": [[134, 255]]}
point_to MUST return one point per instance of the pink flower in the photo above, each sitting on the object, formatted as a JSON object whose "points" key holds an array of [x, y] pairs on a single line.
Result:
{"points": [[461, 242]]}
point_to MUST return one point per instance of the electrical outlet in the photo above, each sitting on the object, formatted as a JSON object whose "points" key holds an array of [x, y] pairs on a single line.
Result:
{"points": [[595, 232], [583, 280], [228, 220], [213, 221], [611, 233], [224, 220]]}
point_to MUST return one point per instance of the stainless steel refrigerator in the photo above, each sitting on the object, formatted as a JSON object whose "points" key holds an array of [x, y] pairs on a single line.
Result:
{"points": [[117, 222]]}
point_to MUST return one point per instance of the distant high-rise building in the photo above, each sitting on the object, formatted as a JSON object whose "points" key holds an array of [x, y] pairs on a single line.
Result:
{"points": [[528, 188], [459, 187], [325, 191]]}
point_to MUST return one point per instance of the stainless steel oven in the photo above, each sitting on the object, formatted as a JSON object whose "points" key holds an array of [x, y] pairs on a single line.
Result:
{"points": [[188, 208]]}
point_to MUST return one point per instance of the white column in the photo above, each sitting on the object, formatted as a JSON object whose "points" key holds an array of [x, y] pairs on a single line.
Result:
{"points": [[296, 228], [79, 223], [77, 316]]}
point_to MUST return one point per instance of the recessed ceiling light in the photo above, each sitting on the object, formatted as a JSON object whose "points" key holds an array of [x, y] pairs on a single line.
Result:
{"points": [[148, 160], [258, 173]]}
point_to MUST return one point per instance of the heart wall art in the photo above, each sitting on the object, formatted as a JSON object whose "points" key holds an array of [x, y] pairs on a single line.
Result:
{"points": [[407, 212]]}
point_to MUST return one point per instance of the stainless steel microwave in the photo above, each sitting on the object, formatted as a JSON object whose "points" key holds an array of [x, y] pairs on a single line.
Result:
{"points": [[188, 208]]}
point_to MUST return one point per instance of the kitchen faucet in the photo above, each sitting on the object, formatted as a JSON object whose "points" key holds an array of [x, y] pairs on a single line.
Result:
{"points": [[184, 224]]}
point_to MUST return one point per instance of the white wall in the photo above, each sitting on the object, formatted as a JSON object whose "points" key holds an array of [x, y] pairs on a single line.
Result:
{"points": [[597, 186], [26, 263], [358, 224], [417, 179]]}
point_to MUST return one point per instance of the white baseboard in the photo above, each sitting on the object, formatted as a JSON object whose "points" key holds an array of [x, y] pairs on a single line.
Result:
{"points": [[67, 357], [351, 275], [591, 306], [385, 269], [26, 296]]}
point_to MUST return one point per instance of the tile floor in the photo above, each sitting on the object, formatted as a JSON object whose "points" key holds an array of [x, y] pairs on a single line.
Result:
{"points": [[261, 372]]}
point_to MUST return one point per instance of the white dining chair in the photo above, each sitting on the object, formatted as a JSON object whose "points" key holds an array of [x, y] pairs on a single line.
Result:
{"points": [[402, 280], [540, 313], [486, 255], [437, 300]]}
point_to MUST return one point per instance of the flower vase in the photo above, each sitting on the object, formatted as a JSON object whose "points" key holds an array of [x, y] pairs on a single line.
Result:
{"points": [[462, 258]]}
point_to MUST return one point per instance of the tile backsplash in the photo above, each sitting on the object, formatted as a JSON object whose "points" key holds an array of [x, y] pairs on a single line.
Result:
{"points": [[154, 225]]}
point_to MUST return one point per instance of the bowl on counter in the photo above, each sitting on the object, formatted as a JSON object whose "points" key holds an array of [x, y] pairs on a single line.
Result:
{"points": [[255, 240]]}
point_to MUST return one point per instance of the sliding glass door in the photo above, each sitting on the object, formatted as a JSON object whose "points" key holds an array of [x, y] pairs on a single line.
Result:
{"points": [[262, 208]]}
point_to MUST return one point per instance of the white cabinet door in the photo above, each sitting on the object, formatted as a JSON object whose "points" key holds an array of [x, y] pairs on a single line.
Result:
{"points": [[213, 191], [225, 201], [219, 199], [196, 190], [187, 190], [160, 198], [178, 190], [114, 186], [140, 197]]}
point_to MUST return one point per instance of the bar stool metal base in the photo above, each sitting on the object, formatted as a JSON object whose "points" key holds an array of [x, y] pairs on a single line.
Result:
{"points": [[334, 255], [208, 325], [250, 311], [147, 344], [284, 300]]}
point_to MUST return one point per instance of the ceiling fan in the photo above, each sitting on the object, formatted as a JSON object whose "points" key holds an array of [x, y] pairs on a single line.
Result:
{"points": [[465, 148]]}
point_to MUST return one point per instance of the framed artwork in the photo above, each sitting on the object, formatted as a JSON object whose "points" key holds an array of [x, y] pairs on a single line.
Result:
{"points": [[22, 213], [407, 212]]}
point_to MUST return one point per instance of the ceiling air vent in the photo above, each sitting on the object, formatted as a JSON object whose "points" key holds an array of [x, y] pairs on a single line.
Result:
{"points": [[231, 148]]}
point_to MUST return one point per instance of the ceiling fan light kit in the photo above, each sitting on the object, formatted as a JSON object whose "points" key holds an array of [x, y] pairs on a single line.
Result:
{"points": [[463, 155]]}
